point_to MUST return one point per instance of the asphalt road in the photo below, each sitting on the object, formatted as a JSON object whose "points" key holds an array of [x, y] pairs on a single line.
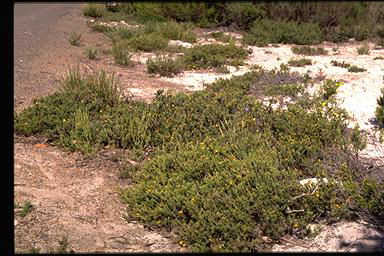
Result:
{"points": [[41, 47]]}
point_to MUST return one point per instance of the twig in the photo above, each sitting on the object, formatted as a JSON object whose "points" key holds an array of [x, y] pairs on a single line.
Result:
{"points": [[87, 67], [296, 197], [291, 211], [304, 194]]}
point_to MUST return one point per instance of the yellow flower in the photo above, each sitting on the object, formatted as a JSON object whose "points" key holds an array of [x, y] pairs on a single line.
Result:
{"points": [[180, 212], [295, 225], [183, 243]]}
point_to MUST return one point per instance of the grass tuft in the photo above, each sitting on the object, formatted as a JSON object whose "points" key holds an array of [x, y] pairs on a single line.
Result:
{"points": [[308, 50], [300, 62], [363, 50], [220, 167], [90, 52], [165, 66], [94, 10], [74, 38]]}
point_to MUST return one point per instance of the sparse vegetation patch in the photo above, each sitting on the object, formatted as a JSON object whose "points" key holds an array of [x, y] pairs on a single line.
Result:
{"points": [[363, 49], [308, 50], [356, 69], [264, 32], [74, 38], [380, 109], [165, 66], [91, 53], [300, 62]]}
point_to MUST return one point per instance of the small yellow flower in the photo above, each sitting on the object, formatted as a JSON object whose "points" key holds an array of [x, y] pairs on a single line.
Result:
{"points": [[180, 212], [183, 243], [158, 222], [295, 225]]}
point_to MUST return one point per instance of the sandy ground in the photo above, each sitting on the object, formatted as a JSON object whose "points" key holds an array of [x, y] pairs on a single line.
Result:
{"points": [[77, 198]]}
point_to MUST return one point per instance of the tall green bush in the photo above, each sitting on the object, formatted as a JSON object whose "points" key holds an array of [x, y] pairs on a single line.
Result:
{"points": [[263, 32]]}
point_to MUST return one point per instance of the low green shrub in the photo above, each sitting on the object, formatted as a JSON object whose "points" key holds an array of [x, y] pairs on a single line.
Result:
{"points": [[356, 69], [351, 68], [277, 83], [198, 187], [68, 116], [121, 33], [220, 36], [74, 38], [146, 43], [380, 109], [94, 10], [308, 50], [90, 52], [26, 208], [265, 32], [165, 66], [223, 69], [121, 55], [330, 88], [214, 55], [363, 49], [223, 168], [300, 62], [340, 64], [171, 30]]}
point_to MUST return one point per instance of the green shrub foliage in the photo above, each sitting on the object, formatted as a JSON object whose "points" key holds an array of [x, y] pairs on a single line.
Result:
{"points": [[380, 109], [225, 165], [295, 22]]}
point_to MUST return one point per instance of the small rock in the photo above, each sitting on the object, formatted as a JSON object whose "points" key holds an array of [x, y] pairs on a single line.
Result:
{"points": [[184, 249], [312, 228], [15, 222], [266, 239], [92, 20]]}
